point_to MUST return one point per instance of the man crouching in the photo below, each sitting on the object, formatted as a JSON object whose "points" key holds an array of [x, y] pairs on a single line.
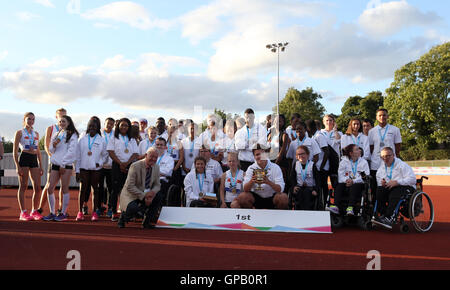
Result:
{"points": [[141, 193]]}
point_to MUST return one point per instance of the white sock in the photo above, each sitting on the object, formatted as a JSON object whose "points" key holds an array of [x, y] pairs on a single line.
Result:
{"points": [[51, 203], [65, 205]]}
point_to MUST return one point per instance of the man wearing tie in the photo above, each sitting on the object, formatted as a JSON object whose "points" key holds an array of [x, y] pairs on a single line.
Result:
{"points": [[141, 192]]}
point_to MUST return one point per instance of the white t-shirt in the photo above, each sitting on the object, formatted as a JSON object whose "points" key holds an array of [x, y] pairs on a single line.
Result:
{"points": [[123, 147], [107, 137], [247, 138], [382, 137], [166, 165], [191, 150], [361, 140], [321, 142], [308, 142], [212, 169], [274, 174]]}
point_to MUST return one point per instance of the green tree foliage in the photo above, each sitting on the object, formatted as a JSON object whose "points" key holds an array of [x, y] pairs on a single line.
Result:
{"points": [[357, 106], [305, 102], [417, 99]]}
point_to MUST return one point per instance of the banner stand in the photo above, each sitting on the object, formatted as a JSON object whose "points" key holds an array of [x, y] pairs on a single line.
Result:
{"points": [[260, 220]]}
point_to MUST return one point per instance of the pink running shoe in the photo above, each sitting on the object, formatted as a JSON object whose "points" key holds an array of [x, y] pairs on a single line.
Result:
{"points": [[80, 216], [24, 216], [94, 217], [36, 215]]}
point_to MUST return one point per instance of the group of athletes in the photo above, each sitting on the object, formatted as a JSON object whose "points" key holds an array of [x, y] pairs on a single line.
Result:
{"points": [[237, 163]]}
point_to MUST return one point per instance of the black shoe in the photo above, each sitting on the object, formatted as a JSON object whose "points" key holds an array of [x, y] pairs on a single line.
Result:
{"points": [[121, 222], [146, 222]]}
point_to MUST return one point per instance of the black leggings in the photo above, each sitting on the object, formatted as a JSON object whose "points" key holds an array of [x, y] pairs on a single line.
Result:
{"points": [[89, 179], [354, 193], [118, 178]]}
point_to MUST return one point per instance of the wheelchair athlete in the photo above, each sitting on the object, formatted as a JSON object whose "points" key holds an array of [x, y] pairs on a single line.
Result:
{"points": [[350, 180], [303, 186], [395, 179]]}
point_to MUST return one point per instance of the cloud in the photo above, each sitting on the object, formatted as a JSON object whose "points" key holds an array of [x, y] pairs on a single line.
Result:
{"points": [[3, 54], [46, 3], [117, 62], [385, 19], [45, 62], [126, 12], [14, 122], [322, 48], [26, 16]]}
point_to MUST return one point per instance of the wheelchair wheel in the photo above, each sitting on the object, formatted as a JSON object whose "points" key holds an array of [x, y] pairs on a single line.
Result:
{"points": [[421, 211], [173, 196], [336, 221]]}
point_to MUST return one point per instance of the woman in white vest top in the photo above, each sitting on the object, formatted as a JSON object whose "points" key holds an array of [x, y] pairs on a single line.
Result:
{"points": [[28, 165]]}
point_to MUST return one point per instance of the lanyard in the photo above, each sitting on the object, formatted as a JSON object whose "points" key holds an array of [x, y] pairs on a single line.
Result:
{"points": [[392, 167], [107, 135], [234, 180], [61, 137], [304, 172], [200, 185], [125, 141], [89, 141], [148, 143], [159, 160], [31, 137], [301, 142], [354, 167], [192, 145], [384, 135], [354, 141]]}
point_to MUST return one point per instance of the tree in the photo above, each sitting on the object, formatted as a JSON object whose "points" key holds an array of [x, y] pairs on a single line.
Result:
{"points": [[417, 99], [305, 102], [363, 108]]}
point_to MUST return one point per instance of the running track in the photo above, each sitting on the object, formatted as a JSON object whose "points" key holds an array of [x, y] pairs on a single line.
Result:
{"points": [[102, 245]]}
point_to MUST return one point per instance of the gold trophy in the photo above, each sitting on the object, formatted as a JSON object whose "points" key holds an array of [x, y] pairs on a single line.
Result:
{"points": [[260, 174]]}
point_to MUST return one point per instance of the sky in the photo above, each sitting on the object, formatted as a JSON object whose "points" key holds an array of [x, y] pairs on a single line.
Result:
{"points": [[181, 59]]}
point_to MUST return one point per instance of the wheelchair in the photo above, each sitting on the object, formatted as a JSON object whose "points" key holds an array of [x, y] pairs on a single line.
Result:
{"points": [[293, 205], [362, 210], [415, 206]]}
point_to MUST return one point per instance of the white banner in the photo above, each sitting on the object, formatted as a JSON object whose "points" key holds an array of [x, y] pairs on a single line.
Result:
{"points": [[297, 221]]}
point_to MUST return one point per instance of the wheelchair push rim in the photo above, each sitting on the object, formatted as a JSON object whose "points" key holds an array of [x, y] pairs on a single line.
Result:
{"points": [[421, 211]]}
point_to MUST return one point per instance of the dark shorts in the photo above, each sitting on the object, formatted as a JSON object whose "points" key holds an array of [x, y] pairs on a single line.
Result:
{"points": [[263, 203], [57, 167], [28, 160]]}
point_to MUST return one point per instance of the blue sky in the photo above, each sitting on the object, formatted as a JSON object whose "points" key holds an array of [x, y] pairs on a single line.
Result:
{"points": [[184, 58]]}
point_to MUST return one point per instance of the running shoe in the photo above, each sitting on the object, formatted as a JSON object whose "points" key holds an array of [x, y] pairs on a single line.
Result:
{"points": [[85, 210], [94, 217], [24, 216], [80, 216], [383, 221], [50, 217], [115, 217], [333, 209], [109, 213], [61, 217], [36, 215], [349, 210]]}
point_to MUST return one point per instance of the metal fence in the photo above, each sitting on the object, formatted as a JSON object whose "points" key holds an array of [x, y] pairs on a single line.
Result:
{"points": [[8, 163]]}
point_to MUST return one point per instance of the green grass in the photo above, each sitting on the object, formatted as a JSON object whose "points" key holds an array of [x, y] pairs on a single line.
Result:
{"points": [[429, 163]]}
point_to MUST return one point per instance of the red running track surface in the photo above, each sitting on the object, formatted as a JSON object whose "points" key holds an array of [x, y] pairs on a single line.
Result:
{"points": [[102, 245]]}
